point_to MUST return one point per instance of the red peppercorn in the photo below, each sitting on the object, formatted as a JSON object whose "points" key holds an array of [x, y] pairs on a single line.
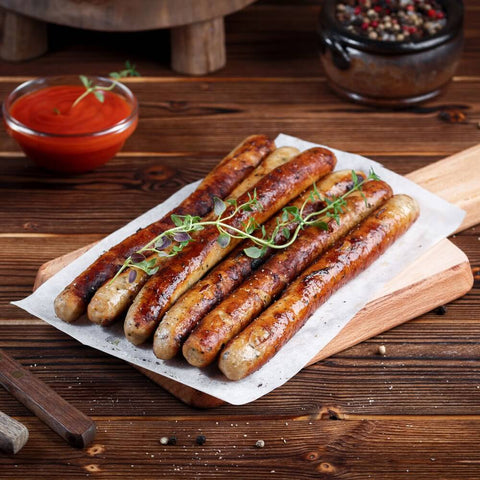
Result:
{"points": [[374, 24], [410, 8], [412, 29], [432, 13], [440, 15], [357, 10], [365, 25], [377, 8]]}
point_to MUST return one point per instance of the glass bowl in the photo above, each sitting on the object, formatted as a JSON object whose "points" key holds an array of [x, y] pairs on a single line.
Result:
{"points": [[70, 142], [389, 73]]}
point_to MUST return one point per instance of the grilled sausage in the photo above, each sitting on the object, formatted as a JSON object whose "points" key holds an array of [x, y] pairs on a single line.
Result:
{"points": [[257, 292], [259, 342], [114, 297], [194, 304], [72, 302], [272, 192]]}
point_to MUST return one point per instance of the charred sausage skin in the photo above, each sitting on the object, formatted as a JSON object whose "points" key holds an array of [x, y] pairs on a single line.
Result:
{"points": [[72, 302], [258, 291], [272, 192], [114, 297], [259, 342], [194, 304]]}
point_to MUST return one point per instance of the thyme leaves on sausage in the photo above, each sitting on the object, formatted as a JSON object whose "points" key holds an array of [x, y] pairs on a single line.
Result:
{"points": [[171, 242]]}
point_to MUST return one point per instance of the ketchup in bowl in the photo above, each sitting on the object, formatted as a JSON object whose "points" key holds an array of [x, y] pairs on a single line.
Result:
{"points": [[63, 135]]}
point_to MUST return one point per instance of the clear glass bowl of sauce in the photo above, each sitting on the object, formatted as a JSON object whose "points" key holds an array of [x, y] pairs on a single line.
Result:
{"points": [[61, 135]]}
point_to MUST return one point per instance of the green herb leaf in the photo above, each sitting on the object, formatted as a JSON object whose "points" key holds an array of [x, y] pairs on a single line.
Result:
{"points": [[218, 206], [177, 220], [86, 82], [321, 225], [223, 240], [289, 223], [253, 252], [99, 95], [354, 177], [372, 175]]}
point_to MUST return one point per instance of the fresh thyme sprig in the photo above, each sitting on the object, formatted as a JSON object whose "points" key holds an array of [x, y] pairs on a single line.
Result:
{"points": [[170, 242], [97, 90]]}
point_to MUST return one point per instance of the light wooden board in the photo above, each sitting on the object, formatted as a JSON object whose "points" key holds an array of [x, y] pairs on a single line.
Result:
{"points": [[441, 275]]}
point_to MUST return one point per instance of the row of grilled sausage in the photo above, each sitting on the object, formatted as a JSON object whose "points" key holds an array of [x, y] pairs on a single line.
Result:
{"points": [[212, 301]]}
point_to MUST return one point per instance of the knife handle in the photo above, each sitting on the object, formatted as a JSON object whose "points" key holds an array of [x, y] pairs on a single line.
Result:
{"points": [[13, 434], [62, 417]]}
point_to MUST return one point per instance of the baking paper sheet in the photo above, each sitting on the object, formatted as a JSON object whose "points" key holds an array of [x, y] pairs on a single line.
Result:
{"points": [[437, 220]]}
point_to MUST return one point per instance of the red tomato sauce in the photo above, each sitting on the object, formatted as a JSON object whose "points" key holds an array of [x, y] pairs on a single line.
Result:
{"points": [[50, 110]]}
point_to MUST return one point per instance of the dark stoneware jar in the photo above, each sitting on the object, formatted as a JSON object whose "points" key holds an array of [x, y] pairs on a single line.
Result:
{"points": [[390, 73]]}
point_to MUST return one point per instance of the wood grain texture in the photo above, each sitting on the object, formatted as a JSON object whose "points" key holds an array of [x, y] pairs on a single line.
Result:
{"points": [[459, 169], [71, 424], [13, 434], [267, 39], [299, 447], [23, 38], [123, 15], [173, 122], [422, 394], [431, 367], [199, 48]]}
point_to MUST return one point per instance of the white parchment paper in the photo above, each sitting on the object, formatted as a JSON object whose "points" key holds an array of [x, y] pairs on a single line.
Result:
{"points": [[437, 220]]}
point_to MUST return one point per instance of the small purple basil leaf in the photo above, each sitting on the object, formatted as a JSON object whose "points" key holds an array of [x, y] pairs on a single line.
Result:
{"points": [[181, 237], [223, 240], [163, 243], [218, 206], [137, 257], [132, 276]]}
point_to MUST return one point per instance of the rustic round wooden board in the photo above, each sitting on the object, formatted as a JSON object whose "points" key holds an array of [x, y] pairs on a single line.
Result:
{"points": [[124, 15]]}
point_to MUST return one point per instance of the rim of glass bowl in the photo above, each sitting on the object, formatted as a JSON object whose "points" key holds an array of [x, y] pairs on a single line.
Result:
{"points": [[44, 82]]}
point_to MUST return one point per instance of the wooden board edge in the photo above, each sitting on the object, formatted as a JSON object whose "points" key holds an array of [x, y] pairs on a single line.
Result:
{"points": [[186, 394], [457, 281], [50, 268]]}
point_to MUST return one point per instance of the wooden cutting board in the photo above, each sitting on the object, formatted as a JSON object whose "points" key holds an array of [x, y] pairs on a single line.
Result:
{"points": [[441, 275]]}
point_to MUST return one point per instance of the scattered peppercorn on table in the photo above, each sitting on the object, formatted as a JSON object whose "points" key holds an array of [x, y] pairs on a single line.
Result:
{"points": [[403, 404]]}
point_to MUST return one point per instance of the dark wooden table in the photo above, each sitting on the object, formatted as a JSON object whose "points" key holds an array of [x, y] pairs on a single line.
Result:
{"points": [[414, 413]]}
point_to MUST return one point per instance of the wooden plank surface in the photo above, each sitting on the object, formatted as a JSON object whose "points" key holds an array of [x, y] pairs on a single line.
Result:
{"points": [[415, 409]]}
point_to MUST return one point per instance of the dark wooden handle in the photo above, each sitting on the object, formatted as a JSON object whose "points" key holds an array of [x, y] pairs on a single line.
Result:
{"points": [[71, 424]]}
